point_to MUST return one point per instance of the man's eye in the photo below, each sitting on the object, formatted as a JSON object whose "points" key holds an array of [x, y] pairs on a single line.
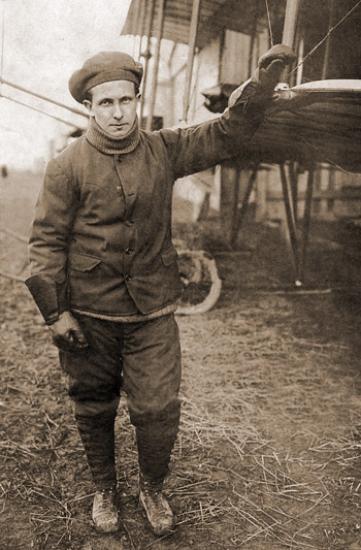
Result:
{"points": [[105, 102], [126, 100]]}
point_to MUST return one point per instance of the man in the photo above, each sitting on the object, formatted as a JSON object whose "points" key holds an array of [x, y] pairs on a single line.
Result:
{"points": [[104, 271]]}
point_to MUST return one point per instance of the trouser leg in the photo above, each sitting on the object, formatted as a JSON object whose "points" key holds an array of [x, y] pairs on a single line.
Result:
{"points": [[152, 372], [94, 386]]}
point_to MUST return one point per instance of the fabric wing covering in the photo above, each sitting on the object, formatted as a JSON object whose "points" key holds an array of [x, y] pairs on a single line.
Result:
{"points": [[321, 124]]}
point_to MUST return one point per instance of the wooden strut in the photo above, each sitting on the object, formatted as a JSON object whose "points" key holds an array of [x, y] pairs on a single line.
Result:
{"points": [[253, 38], [160, 25], [289, 27], [326, 59], [298, 246], [143, 12], [147, 55], [291, 222], [238, 216], [306, 221], [292, 170], [241, 215], [191, 49], [289, 186]]}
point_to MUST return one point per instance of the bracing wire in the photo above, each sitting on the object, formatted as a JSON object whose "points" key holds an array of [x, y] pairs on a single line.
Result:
{"points": [[323, 39], [37, 110], [269, 23], [329, 32]]}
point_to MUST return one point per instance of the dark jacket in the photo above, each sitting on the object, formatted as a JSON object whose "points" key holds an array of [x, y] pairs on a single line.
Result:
{"points": [[101, 239]]}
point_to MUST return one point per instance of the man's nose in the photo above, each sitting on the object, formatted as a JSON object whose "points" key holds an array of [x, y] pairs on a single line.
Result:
{"points": [[117, 112]]}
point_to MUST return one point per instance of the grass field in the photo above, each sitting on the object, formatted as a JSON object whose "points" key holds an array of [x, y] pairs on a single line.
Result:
{"points": [[268, 455]]}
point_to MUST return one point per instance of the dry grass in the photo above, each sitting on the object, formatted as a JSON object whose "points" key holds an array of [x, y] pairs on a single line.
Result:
{"points": [[282, 470], [269, 449]]}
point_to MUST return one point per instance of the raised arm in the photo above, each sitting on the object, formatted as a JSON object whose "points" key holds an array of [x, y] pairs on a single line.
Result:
{"points": [[198, 147]]}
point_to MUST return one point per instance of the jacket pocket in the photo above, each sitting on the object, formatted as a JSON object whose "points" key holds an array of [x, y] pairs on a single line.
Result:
{"points": [[169, 256], [81, 262]]}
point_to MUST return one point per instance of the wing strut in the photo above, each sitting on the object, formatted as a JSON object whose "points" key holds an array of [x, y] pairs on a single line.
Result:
{"points": [[191, 50], [153, 94]]}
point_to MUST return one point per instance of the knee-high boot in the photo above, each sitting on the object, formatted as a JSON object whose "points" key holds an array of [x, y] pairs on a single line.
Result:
{"points": [[97, 435], [155, 441]]}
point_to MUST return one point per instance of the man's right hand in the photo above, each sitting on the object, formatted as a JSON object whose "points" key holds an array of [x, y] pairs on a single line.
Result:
{"points": [[67, 334]]}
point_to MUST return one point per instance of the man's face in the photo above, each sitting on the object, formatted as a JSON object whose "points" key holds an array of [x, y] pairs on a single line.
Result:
{"points": [[113, 105]]}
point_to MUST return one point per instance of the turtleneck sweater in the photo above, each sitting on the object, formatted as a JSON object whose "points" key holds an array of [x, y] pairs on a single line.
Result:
{"points": [[108, 144]]}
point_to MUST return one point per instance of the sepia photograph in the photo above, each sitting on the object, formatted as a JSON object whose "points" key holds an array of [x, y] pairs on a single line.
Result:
{"points": [[180, 274]]}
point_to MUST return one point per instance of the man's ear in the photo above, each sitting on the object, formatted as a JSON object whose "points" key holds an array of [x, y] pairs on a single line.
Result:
{"points": [[138, 95], [88, 105]]}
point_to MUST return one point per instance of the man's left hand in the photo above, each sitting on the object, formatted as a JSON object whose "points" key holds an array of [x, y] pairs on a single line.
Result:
{"points": [[271, 66]]}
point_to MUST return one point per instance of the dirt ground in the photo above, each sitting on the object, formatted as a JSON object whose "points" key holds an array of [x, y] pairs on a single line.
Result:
{"points": [[268, 455]]}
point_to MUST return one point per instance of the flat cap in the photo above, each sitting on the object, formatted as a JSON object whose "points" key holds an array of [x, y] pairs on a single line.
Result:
{"points": [[104, 67]]}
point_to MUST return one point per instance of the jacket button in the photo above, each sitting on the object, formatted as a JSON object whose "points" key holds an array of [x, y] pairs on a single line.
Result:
{"points": [[129, 223], [129, 251], [118, 188], [127, 277]]}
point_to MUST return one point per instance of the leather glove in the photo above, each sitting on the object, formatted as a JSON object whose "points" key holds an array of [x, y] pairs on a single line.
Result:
{"points": [[67, 334], [271, 66], [257, 92]]}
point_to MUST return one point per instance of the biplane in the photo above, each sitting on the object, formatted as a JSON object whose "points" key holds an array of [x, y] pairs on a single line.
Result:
{"points": [[322, 94], [322, 121]]}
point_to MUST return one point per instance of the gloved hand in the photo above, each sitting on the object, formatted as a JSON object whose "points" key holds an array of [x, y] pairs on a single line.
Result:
{"points": [[271, 66], [67, 334], [257, 92]]}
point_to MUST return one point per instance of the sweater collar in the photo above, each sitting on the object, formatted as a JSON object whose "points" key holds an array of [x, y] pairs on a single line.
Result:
{"points": [[107, 144]]}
